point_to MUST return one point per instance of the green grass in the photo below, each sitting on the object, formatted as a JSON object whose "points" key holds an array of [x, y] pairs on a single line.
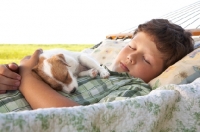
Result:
{"points": [[15, 52]]}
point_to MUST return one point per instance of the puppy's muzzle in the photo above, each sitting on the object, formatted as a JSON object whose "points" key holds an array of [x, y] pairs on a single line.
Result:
{"points": [[73, 91]]}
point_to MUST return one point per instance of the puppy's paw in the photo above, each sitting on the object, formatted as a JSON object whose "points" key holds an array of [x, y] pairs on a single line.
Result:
{"points": [[93, 73], [104, 73]]}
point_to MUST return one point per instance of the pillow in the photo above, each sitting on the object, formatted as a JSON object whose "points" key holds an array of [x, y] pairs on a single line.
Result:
{"points": [[197, 44], [108, 50], [184, 71]]}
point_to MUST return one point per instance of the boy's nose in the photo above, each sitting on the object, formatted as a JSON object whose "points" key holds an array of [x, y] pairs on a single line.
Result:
{"points": [[131, 58]]}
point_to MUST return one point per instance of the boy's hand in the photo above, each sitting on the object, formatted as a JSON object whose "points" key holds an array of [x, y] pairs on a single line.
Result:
{"points": [[9, 77], [28, 62]]}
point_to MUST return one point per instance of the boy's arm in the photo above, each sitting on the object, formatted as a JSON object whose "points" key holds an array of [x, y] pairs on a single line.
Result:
{"points": [[37, 93]]}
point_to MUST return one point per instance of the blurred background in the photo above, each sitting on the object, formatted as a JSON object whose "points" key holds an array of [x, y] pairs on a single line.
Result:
{"points": [[76, 21]]}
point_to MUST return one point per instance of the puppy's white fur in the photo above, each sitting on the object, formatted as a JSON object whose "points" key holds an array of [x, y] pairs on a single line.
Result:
{"points": [[60, 68]]}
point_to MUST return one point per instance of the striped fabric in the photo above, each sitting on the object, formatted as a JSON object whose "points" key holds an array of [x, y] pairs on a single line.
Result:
{"points": [[90, 91]]}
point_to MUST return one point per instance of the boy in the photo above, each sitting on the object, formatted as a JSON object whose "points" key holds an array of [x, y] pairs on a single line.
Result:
{"points": [[156, 45], [166, 43]]}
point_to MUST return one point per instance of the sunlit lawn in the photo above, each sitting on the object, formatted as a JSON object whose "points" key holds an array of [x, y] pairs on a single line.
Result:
{"points": [[15, 52]]}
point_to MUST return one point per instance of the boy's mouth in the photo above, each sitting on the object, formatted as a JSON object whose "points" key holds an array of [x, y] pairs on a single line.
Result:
{"points": [[124, 67]]}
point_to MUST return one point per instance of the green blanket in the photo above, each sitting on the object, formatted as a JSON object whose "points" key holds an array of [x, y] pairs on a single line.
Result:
{"points": [[90, 91]]}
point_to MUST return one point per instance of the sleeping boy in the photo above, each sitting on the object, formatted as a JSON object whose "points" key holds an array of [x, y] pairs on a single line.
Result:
{"points": [[155, 45]]}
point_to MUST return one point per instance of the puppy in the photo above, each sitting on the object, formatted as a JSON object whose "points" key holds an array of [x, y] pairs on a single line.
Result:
{"points": [[60, 68]]}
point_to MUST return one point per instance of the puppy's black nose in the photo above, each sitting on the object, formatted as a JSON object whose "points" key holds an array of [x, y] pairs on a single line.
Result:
{"points": [[73, 91]]}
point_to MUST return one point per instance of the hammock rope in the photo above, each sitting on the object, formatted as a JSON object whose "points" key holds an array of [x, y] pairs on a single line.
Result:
{"points": [[188, 17]]}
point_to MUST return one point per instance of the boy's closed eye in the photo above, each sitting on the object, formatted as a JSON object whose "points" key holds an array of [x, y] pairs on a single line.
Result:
{"points": [[131, 47], [146, 61]]}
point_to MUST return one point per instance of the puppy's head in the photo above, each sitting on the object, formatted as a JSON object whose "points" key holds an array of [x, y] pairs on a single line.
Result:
{"points": [[54, 71]]}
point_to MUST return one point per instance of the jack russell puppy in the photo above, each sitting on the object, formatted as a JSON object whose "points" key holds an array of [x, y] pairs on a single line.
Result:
{"points": [[60, 68]]}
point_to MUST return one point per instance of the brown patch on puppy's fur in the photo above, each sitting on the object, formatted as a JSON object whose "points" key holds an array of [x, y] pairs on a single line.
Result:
{"points": [[52, 83], [59, 69]]}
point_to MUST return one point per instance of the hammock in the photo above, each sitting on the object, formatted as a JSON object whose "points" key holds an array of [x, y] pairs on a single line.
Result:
{"points": [[173, 104]]}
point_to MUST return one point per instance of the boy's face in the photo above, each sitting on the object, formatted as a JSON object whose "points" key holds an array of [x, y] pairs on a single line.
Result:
{"points": [[140, 58]]}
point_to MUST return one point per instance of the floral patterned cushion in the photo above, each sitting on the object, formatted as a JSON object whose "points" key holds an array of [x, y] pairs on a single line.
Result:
{"points": [[108, 50], [184, 71]]}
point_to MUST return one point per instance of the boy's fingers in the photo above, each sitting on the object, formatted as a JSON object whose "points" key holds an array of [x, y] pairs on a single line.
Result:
{"points": [[5, 72], [35, 56], [26, 58], [5, 88], [2, 91], [13, 66], [33, 59], [8, 87]]}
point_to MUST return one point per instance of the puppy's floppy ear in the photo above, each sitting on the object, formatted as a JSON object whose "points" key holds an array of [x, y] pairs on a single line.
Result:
{"points": [[59, 69], [62, 59]]}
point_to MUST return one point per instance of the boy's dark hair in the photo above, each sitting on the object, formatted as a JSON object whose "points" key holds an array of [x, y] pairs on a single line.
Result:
{"points": [[171, 39]]}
